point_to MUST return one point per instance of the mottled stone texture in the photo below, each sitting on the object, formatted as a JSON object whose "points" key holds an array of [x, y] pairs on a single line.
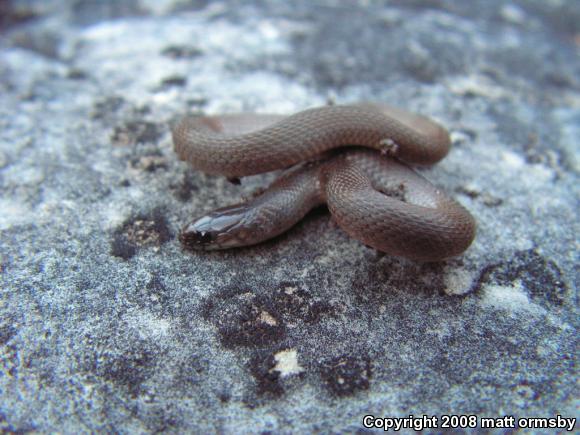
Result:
{"points": [[107, 325]]}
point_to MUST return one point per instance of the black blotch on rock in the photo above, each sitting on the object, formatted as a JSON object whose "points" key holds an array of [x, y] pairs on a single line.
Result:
{"points": [[173, 81], [295, 304], [136, 132], [243, 320], [488, 199], [191, 371], [197, 102], [183, 190], [149, 230], [346, 375], [128, 370], [224, 396], [149, 162], [76, 74], [263, 319], [6, 334], [107, 106], [117, 354], [12, 14], [154, 296], [540, 277], [267, 380], [374, 280], [121, 248], [251, 318]]}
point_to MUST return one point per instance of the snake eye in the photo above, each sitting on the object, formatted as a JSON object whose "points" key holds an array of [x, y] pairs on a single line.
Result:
{"points": [[216, 230], [193, 239]]}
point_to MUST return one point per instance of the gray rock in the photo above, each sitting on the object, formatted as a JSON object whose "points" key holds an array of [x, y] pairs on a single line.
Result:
{"points": [[107, 325]]}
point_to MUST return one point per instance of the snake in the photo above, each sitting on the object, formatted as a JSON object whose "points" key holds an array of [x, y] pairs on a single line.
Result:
{"points": [[357, 159]]}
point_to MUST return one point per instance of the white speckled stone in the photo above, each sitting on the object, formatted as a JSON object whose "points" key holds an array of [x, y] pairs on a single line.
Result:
{"points": [[106, 325]]}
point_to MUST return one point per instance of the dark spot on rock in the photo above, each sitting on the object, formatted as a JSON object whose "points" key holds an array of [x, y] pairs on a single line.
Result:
{"points": [[153, 296], [121, 248], [487, 199], [155, 287], [472, 193], [190, 373], [242, 319], [148, 231], [196, 102], [129, 370], [251, 326], [76, 74], [267, 379], [469, 94], [13, 13], [149, 162], [374, 281], [143, 231], [346, 375], [6, 334], [125, 183], [143, 110], [118, 354], [250, 319], [162, 420], [108, 106], [420, 65], [491, 201], [136, 132], [173, 81], [528, 390], [559, 79], [181, 52], [184, 189], [536, 152], [295, 304], [541, 278], [224, 396], [235, 180]]}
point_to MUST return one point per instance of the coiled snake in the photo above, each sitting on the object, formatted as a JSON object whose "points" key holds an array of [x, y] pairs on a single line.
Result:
{"points": [[349, 157]]}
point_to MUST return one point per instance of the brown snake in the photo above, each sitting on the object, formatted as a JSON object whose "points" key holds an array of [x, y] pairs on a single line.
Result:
{"points": [[373, 197]]}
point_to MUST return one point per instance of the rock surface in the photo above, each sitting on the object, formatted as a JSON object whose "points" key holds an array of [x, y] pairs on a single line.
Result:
{"points": [[107, 325]]}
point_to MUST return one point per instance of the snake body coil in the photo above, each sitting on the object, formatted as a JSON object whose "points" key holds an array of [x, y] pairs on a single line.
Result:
{"points": [[372, 196]]}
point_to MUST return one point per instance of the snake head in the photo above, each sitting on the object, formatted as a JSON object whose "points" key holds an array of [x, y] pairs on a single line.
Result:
{"points": [[219, 229]]}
